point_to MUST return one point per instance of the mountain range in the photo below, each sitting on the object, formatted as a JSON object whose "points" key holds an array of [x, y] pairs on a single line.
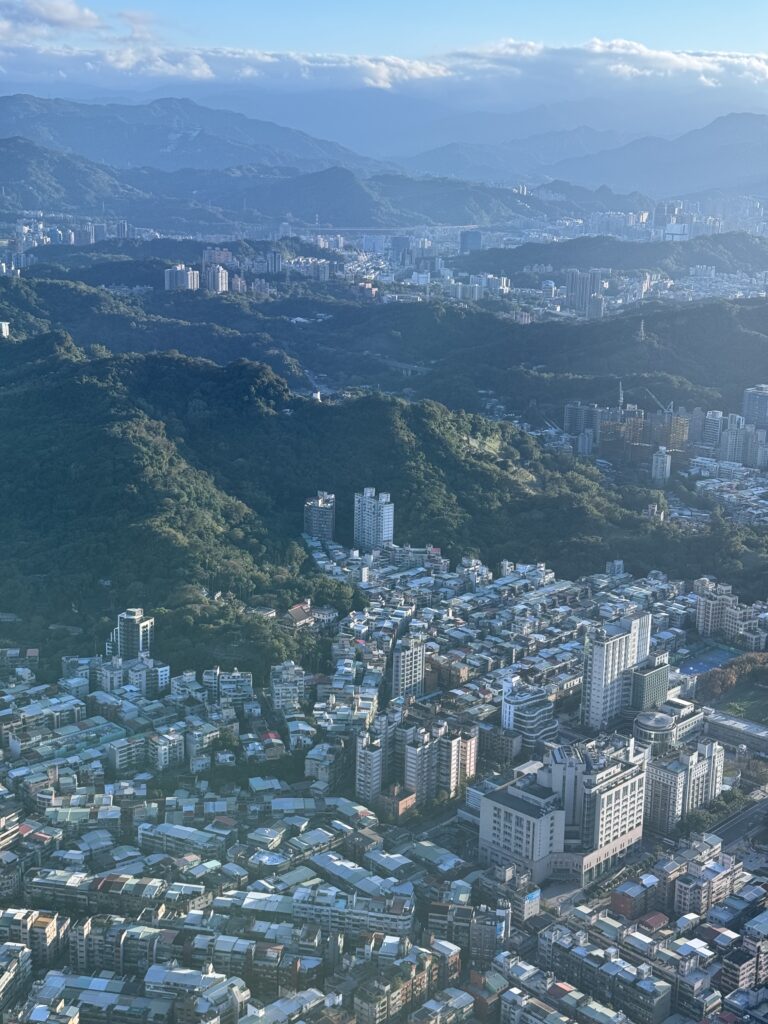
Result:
{"points": [[181, 152], [729, 153], [169, 134], [513, 161], [35, 178]]}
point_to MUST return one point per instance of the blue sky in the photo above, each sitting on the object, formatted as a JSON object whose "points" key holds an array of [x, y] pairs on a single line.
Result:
{"points": [[424, 27]]}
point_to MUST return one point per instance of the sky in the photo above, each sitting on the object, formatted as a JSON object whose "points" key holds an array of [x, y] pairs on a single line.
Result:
{"points": [[428, 27]]}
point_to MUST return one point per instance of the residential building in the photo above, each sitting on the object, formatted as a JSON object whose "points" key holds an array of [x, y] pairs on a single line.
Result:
{"points": [[181, 278], [754, 406], [608, 652], [287, 686], [408, 667], [369, 768], [528, 710], [439, 760], [216, 279], [677, 786], [132, 636], [320, 516], [661, 467], [374, 521]]}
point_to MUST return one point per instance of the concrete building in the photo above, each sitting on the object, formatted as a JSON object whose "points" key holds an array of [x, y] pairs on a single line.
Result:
{"points": [[228, 689], [216, 279], [679, 785], [439, 760], [369, 768], [374, 520], [608, 652], [320, 516], [576, 817], [287, 686], [754, 406], [132, 636], [661, 468], [713, 602], [527, 710], [408, 667], [181, 278]]}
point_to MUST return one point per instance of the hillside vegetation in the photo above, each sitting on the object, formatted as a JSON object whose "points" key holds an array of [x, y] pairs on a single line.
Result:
{"points": [[700, 353], [160, 480], [728, 253]]}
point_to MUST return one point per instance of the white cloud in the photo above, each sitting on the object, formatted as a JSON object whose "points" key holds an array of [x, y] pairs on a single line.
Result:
{"points": [[33, 18], [40, 37]]}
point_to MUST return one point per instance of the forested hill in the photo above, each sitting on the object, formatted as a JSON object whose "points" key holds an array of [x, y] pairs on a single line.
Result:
{"points": [[157, 479], [728, 253], [699, 353]]}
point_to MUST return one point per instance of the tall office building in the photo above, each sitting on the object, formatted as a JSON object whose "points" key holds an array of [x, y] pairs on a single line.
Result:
{"points": [[528, 711], [408, 667], [755, 405], [374, 520], [181, 279], [132, 636], [320, 516], [216, 279], [608, 652]]}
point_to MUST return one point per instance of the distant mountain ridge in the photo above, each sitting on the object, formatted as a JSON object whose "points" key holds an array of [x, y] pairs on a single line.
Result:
{"points": [[514, 160], [169, 134], [730, 152], [34, 178]]}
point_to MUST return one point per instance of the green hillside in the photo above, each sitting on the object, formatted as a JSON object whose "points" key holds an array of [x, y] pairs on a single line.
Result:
{"points": [[728, 253]]}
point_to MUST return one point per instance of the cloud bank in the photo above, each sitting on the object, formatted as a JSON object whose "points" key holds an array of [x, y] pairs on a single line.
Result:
{"points": [[63, 37]]}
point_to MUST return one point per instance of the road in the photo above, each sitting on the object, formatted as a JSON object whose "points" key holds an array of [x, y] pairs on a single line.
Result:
{"points": [[740, 825]]}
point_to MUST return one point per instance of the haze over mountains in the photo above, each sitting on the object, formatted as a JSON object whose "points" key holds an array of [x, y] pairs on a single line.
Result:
{"points": [[229, 161], [35, 178], [169, 134], [731, 152], [510, 162]]}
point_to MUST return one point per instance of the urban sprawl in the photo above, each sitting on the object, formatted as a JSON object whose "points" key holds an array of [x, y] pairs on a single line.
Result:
{"points": [[491, 820]]}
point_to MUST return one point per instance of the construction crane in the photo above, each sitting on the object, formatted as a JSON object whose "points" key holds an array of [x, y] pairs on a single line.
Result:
{"points": [[663, 408]]}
